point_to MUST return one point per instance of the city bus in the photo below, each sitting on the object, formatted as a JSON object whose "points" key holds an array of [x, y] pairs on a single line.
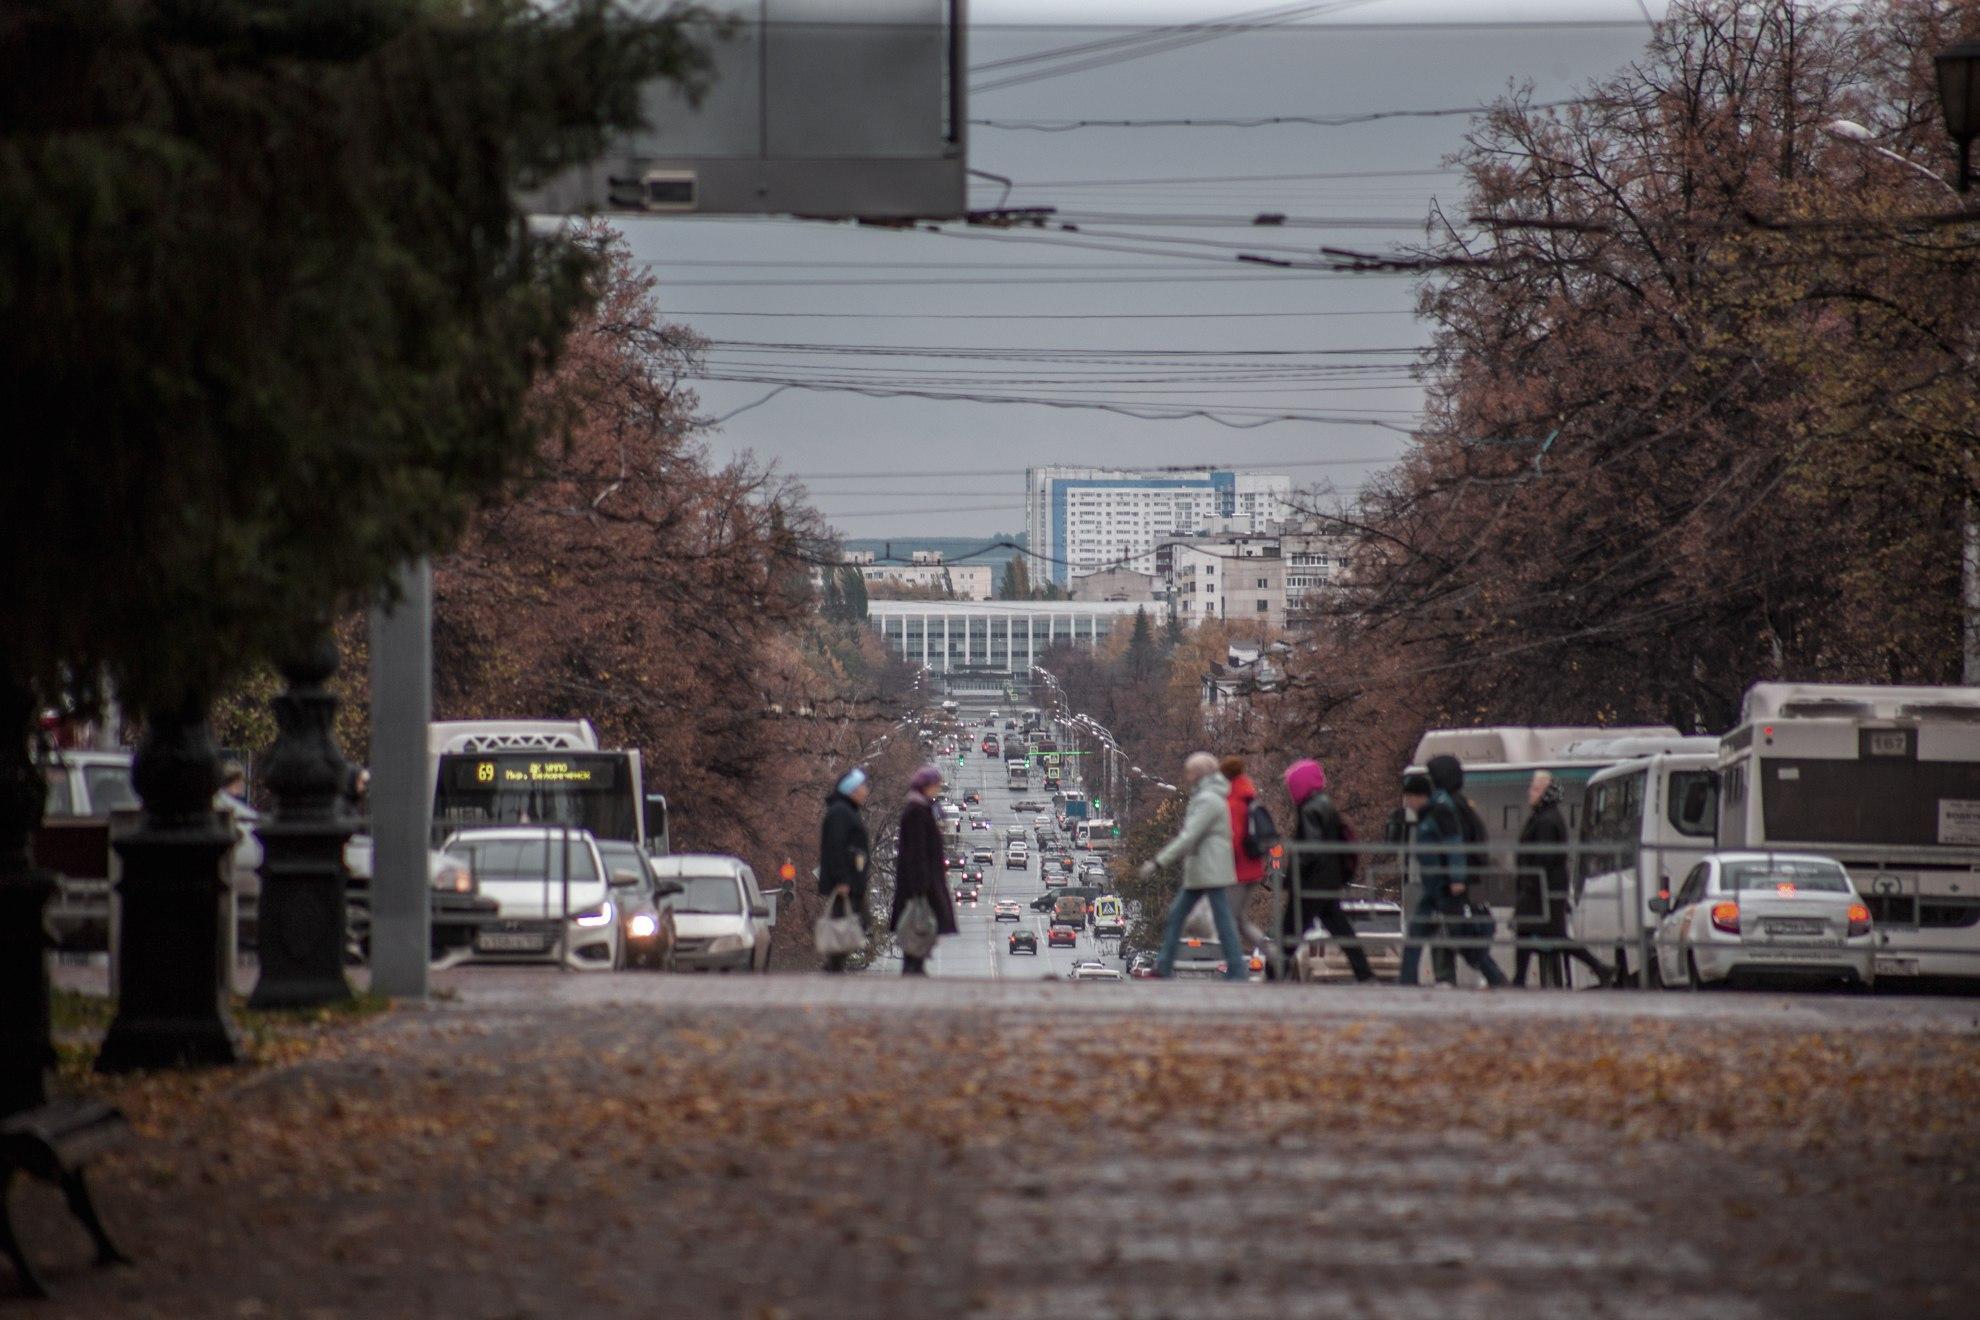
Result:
{"points": [[512, 772], [1885, 780]]}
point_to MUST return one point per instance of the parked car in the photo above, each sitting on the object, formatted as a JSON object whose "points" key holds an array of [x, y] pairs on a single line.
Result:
{"points": [[645, 901], [1024, 941], [1749, 916], [1141, 967], [73, 840], [1093, 971], [722, 919], [553, 898], [1060, 933]]}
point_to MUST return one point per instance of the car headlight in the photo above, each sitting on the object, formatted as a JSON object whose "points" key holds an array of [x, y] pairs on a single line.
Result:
{"points": [[453, 880], [601, 915], [643, 926], [727, 944]]}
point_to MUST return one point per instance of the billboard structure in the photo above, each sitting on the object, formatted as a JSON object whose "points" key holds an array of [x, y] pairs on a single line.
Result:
{"points": [[832, 109]]}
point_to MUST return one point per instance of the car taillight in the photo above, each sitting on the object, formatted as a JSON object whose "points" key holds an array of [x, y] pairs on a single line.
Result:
{"points": [[1725, 917], [1257, 963], [1859, 919]]}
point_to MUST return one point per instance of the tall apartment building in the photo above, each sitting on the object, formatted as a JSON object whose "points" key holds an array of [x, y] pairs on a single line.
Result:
{"points": [[1283, 576], [1082, 519]]}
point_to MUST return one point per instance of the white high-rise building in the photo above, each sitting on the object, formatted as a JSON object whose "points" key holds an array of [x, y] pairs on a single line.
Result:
{"points": [[1082, 520]]}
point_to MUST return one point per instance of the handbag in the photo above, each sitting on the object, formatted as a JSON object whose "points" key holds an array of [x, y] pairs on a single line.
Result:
{"points": [[839, 932], [917, 929]]}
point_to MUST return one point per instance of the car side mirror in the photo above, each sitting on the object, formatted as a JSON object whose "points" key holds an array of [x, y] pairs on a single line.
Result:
{"points": [[759, 909], [668, 888], [1660, 905]]}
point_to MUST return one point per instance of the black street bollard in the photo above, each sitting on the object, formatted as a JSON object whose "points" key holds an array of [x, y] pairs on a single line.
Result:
{"points": [[303, 879], [26, 1048], [174, 960]]}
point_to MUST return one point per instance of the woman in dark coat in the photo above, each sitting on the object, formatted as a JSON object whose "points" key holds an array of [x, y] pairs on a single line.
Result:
{"points": [[1540, 904], [844, 851], [920, 868]]}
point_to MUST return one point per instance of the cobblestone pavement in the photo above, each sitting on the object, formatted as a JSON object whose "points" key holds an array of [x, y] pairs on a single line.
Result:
{"points": [[563, 1145]]}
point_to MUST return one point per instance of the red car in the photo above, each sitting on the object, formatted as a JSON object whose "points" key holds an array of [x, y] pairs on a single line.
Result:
{"points": [[1062, 934]]}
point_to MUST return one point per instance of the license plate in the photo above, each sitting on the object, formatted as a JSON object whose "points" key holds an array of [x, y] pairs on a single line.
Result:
{"points": [[1897, 966], [511, 942], [1797, 926]]}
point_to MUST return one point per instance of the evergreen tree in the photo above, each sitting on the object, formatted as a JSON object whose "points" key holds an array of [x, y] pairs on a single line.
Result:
{"points": [[1141, 656], [832, 600], [854, 594], [1173, 634]]}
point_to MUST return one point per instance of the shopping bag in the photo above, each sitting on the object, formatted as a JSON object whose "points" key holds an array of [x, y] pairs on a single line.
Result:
{"points": [[838, 931], [917, 929]]}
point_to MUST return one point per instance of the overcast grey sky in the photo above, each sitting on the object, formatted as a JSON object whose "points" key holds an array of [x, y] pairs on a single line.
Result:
{"points": [[906, 466]]}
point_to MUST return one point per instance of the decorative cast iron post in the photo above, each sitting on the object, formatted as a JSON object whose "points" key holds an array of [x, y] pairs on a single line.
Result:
{"points": [[303, 878], [174, 960], [26, 1049]]}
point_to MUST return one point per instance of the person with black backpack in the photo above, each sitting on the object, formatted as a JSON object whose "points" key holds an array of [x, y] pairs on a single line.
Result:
{"points": [[1253, 836], [1316, 882]]}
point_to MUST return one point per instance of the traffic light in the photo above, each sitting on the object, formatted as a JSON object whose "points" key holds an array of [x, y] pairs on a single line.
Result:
{"points": [[1117, 831]]}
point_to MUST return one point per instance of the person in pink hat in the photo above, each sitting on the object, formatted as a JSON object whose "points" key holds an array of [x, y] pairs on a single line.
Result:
{"points": [[1317, 882]]}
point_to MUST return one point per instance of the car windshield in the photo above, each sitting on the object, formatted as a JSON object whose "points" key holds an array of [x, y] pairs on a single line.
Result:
{"points": [[537, 860], [622, 857], [109, 788], [1819, 877], [709, 893]]}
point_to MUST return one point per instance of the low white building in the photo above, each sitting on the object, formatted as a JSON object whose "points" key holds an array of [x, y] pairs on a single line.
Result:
{"points": [[1006, 636]]}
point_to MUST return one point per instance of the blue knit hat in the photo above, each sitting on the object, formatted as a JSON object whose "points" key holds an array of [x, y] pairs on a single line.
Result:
{"points": [[853, 779]]}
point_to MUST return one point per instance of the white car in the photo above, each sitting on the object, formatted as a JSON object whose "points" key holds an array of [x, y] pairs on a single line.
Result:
{"points": [[722, 921], [553, 898], [1017, 858], [1745, 916], [1093, 971]]}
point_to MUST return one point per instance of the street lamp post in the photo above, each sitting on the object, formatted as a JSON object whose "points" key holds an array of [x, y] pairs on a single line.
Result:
{"points": [[1959, 102]]}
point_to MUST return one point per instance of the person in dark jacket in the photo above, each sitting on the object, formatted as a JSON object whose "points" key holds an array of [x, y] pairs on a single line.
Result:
{"points": [[920, 865], [1447, 865], [1420, 920], [1542, 897], [1315, 882], [844, 849]]}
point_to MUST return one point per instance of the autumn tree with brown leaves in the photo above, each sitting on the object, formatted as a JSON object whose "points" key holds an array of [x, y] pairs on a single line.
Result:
{"points": [[632, 580], [1703, 397]]}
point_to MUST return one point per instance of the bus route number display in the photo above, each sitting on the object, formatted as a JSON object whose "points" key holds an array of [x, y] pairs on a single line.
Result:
{"points": [[524, 772]]}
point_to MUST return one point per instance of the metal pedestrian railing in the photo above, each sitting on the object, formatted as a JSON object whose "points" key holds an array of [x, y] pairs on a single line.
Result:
{"points": [[1598, 902]]}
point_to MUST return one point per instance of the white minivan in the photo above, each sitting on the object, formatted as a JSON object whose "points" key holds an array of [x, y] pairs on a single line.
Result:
{"points": [[1644, 824]]}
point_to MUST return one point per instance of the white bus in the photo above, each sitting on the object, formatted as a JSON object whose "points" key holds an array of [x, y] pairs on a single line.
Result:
{"points": [[1885, 780], [1644, 823], [516, 772]]}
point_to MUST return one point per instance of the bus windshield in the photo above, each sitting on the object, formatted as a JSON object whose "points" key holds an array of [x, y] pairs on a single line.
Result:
{"points": [[585, 790]]}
